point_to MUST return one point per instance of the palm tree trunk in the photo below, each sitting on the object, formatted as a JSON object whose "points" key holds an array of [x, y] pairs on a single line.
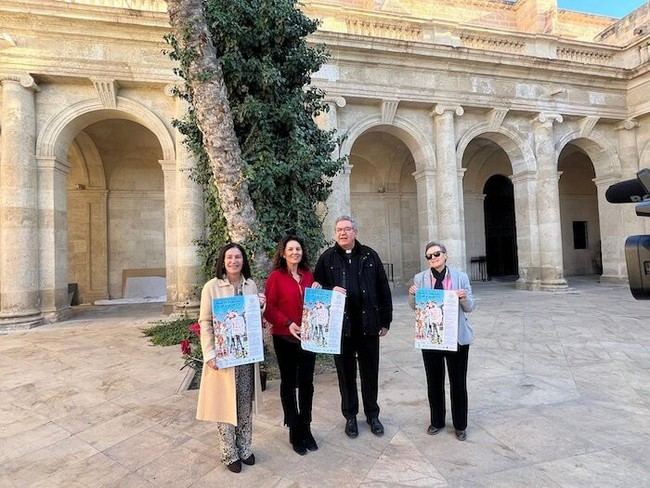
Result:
{"points": [[210, 101]]}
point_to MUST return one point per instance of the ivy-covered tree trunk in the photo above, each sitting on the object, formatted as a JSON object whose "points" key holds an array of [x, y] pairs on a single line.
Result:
{"points": [[214, 118]]}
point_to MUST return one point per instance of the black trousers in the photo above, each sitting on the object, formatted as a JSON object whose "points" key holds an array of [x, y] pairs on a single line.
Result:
{"points": [[296, 372], [434, 366], [365, 350]]}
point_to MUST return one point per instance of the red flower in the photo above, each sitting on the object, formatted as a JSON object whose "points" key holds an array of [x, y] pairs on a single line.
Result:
{"points": [[195, 329], [185, 346]]}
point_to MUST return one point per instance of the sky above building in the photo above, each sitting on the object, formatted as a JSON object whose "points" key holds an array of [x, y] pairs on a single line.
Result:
{"points": [[611, 8]]}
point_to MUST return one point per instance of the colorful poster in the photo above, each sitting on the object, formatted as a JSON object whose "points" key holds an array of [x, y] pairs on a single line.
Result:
{"points": [[436, 319], [322, 321], [237, 323]]}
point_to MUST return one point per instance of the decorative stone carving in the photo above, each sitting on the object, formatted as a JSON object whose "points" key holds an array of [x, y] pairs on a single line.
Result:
{"points": [[440, 109], [587, 124], [587, 56], [496, 116], [393, 30], [145, 5], [338, 101], [388, 109], [627, 124], [547, 118], [106, 91], [489, 43], [25, 80], [6, 41]]}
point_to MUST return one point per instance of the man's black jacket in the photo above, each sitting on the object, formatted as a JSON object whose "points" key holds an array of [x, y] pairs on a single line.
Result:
{"points": [[376, 301]]}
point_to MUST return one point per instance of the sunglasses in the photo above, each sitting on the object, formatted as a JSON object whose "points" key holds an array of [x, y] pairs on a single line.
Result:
{"points": [[435, 254]]}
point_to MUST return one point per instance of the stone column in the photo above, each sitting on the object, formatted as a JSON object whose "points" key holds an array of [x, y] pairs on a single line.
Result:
{"points": [[190, 223], [525, 189], [461, 210], [171, 232], [338, 202], [611, 219], [53, 237], [448, 199], [425, 181], [628, 153], [19, 286], [548, 203]]}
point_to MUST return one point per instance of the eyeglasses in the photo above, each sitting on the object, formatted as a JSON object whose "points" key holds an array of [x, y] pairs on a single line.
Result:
{"points": [[435, 254], [344, 229]]}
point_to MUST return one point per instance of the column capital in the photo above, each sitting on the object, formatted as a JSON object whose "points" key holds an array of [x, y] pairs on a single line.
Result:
{"points": [[441, 108], [168, 165], [547, 118], [607, 180], [25, 80], [424, 173], [528, 175], [627, 124], [52, 163], [339, 101]]}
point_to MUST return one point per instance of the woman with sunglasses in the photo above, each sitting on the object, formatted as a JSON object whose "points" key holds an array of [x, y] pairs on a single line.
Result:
{"points": [[441, 277]]}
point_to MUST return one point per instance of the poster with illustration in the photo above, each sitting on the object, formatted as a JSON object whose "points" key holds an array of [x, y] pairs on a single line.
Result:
{"points": [[237, 324], [322, 321], [436, 319]]}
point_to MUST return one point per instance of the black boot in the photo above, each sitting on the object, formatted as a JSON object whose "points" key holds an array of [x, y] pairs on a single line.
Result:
{"points": [[297, 439], [310, 442]]}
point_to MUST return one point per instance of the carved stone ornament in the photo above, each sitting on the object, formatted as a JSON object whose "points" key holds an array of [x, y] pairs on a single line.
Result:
{"points": [[440, 109], [388, 109], [106, 91], [25, 80]]}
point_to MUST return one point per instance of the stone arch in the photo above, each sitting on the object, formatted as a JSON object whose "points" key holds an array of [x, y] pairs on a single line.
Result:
{"points": [[602, 155], [92, 166], [406, 131], [522, 163], [59, 132], [521, 155]]}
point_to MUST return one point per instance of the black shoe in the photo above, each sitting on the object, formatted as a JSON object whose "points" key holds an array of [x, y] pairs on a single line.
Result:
{"points": [[234, 467], [299, 448], [433, 430], [310, 442], [351, 428], [249, 461], [375, 426], [461, 435], [297, 441]]}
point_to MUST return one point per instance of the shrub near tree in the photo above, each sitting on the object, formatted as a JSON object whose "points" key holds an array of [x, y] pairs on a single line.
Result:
{"points": [[266, 65]]}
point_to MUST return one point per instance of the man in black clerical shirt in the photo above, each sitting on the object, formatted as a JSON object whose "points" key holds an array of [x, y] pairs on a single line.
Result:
{"points": [[356, 270]]}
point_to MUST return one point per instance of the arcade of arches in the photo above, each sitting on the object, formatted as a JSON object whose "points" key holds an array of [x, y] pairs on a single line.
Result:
{"points": [[493, 133]]}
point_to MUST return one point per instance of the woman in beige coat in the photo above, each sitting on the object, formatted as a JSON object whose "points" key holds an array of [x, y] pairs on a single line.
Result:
{"points": [[226, 395]]}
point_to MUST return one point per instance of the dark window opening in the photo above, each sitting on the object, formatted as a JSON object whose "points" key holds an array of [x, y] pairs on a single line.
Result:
{"points": [[579, 234]]}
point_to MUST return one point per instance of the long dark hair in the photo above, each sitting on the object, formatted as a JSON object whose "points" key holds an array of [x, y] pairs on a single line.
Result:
{"points": [[220, 268], [278, 260]]}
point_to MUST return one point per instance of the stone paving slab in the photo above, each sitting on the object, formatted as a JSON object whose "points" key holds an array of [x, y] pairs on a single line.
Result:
{"points": [[559, 395]]}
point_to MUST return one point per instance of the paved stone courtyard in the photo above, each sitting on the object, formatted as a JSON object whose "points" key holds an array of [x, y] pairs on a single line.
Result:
{"points": [[558, 383]]}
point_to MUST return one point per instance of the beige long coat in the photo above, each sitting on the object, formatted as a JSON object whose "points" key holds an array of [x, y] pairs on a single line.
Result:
{"points": [[217, 393]]}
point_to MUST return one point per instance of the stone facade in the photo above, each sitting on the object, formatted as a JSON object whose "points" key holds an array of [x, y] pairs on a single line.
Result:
{"points": [[490, 125]]}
